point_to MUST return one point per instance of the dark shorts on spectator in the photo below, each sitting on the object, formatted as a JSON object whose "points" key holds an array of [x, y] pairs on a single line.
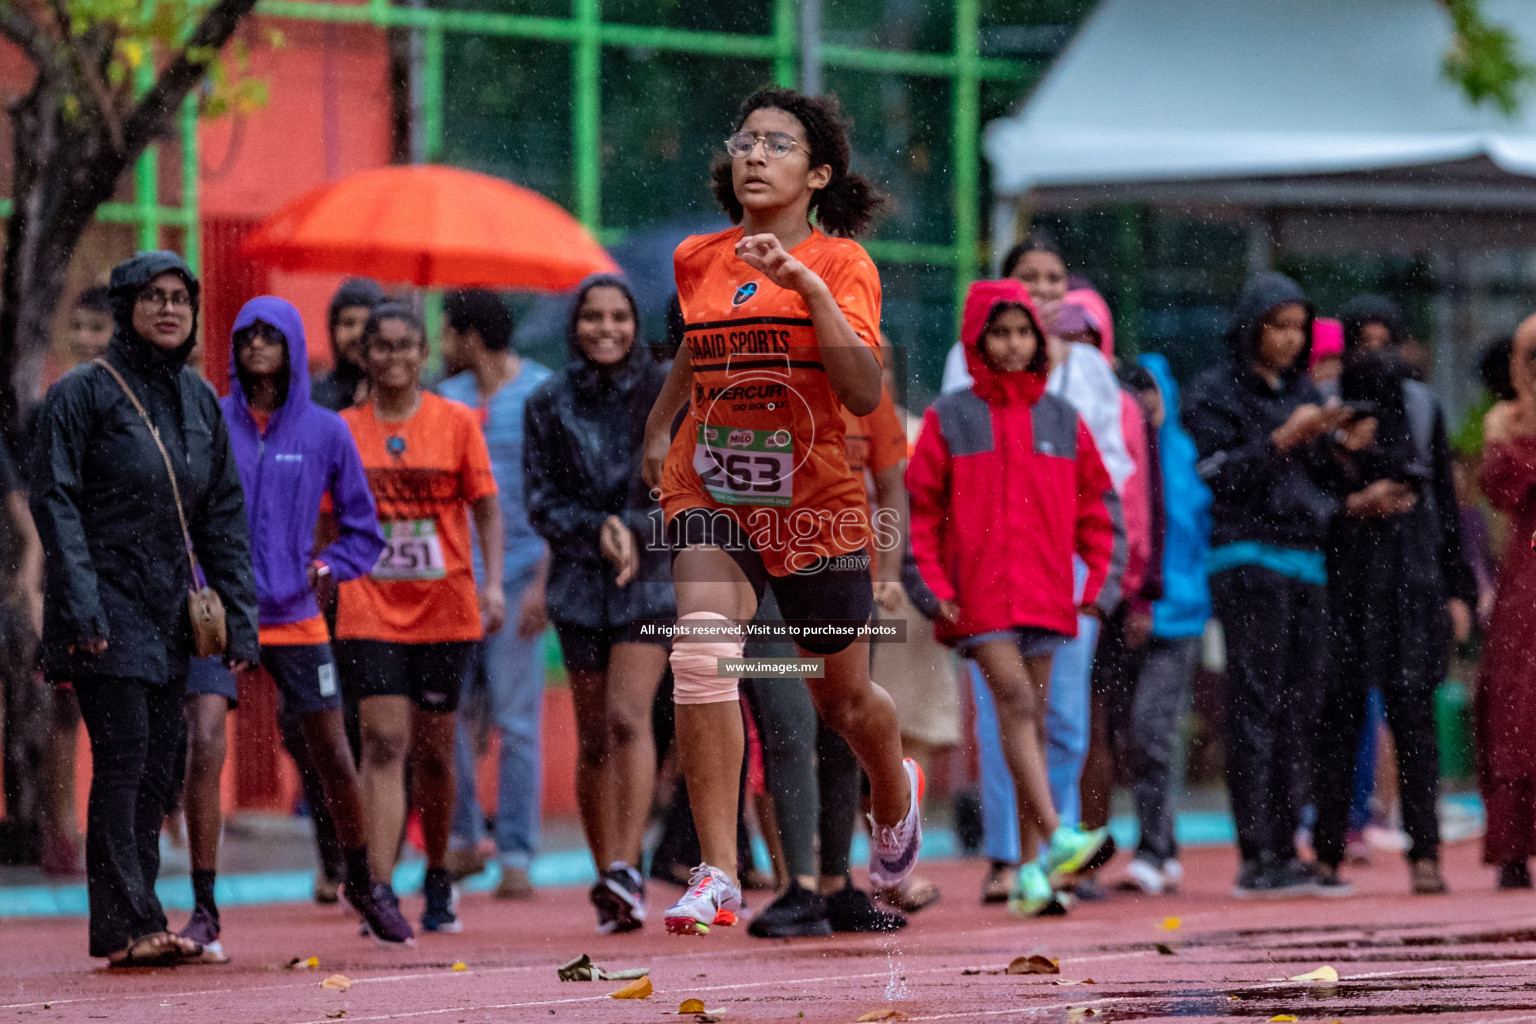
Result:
{"points": [[305, 675], [209, 676], [588, 648], [1032, 641], [431, 675]]}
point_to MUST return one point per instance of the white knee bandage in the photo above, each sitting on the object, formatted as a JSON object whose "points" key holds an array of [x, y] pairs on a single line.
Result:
{"points": [[696, 677]]}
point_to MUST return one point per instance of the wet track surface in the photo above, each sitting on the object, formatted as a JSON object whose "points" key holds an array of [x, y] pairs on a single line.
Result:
{"points": [[1467, 957]]}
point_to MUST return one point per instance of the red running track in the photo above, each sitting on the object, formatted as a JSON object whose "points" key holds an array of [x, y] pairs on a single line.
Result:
{"points": [[1467, 957]]}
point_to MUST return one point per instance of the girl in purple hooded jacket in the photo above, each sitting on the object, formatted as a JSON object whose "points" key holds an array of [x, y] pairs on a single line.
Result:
{"points": [[292, 454]]}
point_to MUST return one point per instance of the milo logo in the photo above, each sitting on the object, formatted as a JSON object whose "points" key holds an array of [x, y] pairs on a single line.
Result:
{"points": [[711, 435], [740, 439], [779, 439]]}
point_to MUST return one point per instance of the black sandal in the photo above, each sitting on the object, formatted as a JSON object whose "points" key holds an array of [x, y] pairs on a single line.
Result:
{"points": [[158, 949]]}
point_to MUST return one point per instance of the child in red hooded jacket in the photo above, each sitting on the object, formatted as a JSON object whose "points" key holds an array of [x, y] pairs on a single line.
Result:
{"points": [[1006, 486]]}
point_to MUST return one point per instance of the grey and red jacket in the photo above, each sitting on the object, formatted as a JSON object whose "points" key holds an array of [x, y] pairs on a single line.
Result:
{"points": [[1006, 486]]}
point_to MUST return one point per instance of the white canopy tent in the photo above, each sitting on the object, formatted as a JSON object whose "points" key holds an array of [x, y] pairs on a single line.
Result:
{"points": [[1250, 109], [1323, 126]]}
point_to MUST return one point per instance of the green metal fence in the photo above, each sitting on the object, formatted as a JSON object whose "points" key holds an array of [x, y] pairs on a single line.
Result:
{"points": [[587, 35]]}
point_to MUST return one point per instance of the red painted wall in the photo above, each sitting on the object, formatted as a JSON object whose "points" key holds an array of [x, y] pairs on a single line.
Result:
{"points": [[327, 115]]}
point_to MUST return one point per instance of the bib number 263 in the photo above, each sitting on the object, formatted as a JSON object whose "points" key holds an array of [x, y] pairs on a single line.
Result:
{"points": [[746, 467]]}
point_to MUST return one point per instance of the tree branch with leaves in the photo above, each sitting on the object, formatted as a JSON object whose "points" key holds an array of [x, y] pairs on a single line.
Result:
{"points": [[1484, 58], [111, 76]]}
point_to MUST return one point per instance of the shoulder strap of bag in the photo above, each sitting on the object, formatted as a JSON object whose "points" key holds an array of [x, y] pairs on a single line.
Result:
{"points": [[154, 432]]}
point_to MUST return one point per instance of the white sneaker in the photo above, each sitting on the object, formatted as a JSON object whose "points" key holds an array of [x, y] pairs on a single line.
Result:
{"points": [[1141, 876], [711, 899], [893, 848], [1173, 876]]}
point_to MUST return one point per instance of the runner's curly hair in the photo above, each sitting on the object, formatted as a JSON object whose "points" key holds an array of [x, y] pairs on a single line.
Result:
{"points": [[849, 202]]}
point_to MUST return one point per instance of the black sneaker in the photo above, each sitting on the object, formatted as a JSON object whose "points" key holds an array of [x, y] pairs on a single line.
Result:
{"points": [[381, 915], [1254, 881], [1090, 890], [1328, 883], [601, 900], [442, 910], [1515, 875], [798, 914], [1293, 878], [851, 910], [619, 897]]}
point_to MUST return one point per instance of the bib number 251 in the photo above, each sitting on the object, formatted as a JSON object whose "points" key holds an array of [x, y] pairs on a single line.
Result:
{"points": [[412, 551]]}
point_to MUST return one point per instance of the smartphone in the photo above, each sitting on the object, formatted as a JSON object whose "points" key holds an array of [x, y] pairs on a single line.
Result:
{"points": [[1362, 409]]}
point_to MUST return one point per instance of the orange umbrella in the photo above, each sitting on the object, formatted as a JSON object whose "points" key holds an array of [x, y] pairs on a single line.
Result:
{"points": [[431, 226]]}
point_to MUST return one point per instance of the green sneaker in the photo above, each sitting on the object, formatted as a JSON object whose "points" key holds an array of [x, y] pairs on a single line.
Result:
{"points": [[1074, 851], [1032, 895]]}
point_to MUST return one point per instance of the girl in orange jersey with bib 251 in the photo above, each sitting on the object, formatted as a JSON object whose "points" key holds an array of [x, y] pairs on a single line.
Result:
{"points": [[782, 334]]}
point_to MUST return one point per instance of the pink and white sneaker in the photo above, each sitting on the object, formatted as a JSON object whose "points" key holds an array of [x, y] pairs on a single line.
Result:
{"points": [[893, 848], [711, 899]]}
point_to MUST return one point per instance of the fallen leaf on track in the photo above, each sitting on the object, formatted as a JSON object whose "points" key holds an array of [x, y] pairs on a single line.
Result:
{"points": [[337, 983], [583, 969], [1282, 1018], [1171, 924], [459, 965], [883, 1015], [1164, 949], [640, 989], [1324, 973], [1068, 981], [336, 1014], [1034, 964], [301, 964]]}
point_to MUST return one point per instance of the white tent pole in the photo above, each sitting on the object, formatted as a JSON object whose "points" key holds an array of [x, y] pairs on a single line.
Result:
{"points": [[810, 47], [1005, 230], [1261, 246]]}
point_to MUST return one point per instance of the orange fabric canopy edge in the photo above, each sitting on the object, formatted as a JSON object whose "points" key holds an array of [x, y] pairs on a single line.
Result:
{"points": [[430, 226]]}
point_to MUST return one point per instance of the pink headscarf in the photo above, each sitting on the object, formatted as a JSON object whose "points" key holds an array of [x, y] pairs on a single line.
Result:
{"points": [[1327, 340], [1097, 309]]}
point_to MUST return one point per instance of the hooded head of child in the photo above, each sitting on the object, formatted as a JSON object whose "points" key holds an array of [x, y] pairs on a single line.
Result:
{"points": [[1001, 330]]}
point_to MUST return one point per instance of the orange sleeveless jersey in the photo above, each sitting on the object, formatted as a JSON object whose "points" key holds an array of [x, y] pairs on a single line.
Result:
{"points": [[763, 440]]}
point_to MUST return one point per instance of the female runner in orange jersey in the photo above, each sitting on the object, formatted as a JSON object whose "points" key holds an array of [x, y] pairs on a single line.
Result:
{"points": [[782, 334]]}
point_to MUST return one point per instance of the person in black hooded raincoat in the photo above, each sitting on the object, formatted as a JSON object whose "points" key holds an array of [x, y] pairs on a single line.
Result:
{"points": [[115, 621], [609, 571], [1266, 450], [1399, 587]]}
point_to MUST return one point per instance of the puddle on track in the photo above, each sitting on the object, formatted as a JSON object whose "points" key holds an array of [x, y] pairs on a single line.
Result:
{"points": [[1416, 991]]}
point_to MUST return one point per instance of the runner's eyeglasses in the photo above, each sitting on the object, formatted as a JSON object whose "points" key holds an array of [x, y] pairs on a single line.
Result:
{"points": [[777, 145]]}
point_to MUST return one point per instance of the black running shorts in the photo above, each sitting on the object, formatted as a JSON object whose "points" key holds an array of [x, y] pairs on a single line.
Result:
{"points": [[831, 590]]}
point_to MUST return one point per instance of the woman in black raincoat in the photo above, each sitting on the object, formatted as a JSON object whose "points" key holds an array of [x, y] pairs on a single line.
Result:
{"points": [[1399, 590], [115, 621], [609, 572]]}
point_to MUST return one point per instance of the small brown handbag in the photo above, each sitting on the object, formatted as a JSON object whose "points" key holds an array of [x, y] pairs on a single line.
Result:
{"points": [[205, 609]]}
